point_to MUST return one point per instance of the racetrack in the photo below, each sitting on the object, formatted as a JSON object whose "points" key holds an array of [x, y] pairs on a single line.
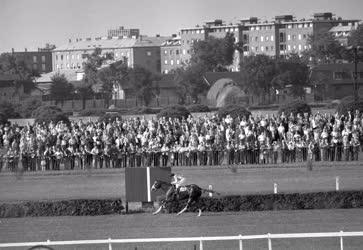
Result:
{"points": [[209, 224], [109, 183]]}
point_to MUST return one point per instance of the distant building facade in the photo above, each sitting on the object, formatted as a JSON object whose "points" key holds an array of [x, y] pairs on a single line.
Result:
{"points": [[15, 91], [144, 52], [335, 81], [170, 55], [124, 33], [40, 61], [280, 37]]}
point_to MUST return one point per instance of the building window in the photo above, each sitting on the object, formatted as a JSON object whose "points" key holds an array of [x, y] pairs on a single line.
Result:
{"points": [[300, 25], [34, 59], [257, 27], [171, 52], [294, 47], [288, 47], [256, 48], [57, 66], [252, 28], [177, 62], [289, 26], [256, 39], [43, 66], [148, 53], [166, 62], [266, 48], [116, 55], [272, 48], [300, 47], [177, 52], [166, 71], [293, 37], [79, 56], [184, 51], [67, 57], [202, 31], [72, 57], [267, 38], [261, 38], [338, 75], [306, 25], [198, 31], [262, 48], [172, 62], [288, 37], [43, 58], [56, 57], [300, 36]]}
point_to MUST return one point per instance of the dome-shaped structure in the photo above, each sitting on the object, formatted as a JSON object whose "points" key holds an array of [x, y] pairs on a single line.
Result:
{"points": [[225, 91]]}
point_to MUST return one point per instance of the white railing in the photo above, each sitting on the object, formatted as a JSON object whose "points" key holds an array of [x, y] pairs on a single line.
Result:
{"points": [[240, 238]]}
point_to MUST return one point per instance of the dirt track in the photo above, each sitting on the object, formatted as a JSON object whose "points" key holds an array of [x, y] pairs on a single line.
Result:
{"points": [[109, 183], [210, 224]]}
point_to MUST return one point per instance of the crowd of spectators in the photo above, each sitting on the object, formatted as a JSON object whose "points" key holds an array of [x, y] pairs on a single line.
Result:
{"points": [[204, 140]]}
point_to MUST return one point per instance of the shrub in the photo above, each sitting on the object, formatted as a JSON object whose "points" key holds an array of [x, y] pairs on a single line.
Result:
{"points": [[145, 110], [294, 201], [176, 111], [8, 110], [348, 104], [295, 107], [28, 106], [47, 114], [110, 117], [234, 111], [198, 108], [61, 208]]}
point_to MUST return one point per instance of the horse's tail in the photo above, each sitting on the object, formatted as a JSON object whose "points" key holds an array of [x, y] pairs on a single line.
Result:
{"points": [[210, 191]]}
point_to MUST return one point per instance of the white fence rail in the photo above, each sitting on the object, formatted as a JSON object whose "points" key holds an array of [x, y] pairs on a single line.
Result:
{"points": [[239, 238]]}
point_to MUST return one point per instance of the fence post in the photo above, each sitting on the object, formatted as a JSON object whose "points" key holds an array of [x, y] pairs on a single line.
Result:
{"points": [[341, 241], [201, 243], [210, 188], [269, 242], [109, 244], [240, 242], [337, 183], [275, 188]]}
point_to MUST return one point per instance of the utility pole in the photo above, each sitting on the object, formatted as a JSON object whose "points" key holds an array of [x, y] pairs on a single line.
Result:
{"points": [[355, 50]]}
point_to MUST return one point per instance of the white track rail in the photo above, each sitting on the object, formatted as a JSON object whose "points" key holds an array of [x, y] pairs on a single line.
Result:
{"points": [[239, 238]]}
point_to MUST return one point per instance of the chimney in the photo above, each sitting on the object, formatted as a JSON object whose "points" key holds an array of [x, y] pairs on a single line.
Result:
{"points": [[12, 50], [173, 35], [26, 50]]}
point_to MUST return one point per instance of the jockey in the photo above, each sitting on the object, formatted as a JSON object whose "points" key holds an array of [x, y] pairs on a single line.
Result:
{"points": [[177, 180]]}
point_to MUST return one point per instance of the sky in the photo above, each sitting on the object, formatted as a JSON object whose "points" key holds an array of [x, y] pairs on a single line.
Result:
{"points": [[33, 23]]}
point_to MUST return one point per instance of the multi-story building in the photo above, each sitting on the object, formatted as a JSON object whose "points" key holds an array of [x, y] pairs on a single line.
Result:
{"points": [[280, 37], [170, 55], [124, 33], [144, 52], [40, 61]]}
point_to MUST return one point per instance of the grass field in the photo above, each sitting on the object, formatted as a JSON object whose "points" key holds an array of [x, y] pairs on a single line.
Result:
{"points": [[188, 225], [109, 183]]}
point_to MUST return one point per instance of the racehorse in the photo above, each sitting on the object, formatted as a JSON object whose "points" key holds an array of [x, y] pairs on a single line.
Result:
{"points": [[191, 192]]}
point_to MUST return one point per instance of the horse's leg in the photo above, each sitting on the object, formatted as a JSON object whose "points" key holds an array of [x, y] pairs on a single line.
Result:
{"points": [[159, 209], [186, 207]]}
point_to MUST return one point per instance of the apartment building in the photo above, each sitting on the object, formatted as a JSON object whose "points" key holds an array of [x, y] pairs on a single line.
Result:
{"points": [[171, 54], [40, 60], [143, 51], [280, 37]]}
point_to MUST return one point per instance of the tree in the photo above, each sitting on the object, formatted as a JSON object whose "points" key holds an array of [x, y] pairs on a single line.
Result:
{"points": [[10, 65], [356, 37], [258, 72], [190, 82], [291, 71], [93, 72], [61, 88], [214, 53], [142, 82], [323, 48]]}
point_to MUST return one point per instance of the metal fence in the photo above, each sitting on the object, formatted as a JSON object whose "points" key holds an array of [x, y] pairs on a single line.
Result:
{"points": [[200, 240]]}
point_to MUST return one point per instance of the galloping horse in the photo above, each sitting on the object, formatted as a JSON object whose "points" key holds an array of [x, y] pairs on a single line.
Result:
{"points": [[191, 192]]}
